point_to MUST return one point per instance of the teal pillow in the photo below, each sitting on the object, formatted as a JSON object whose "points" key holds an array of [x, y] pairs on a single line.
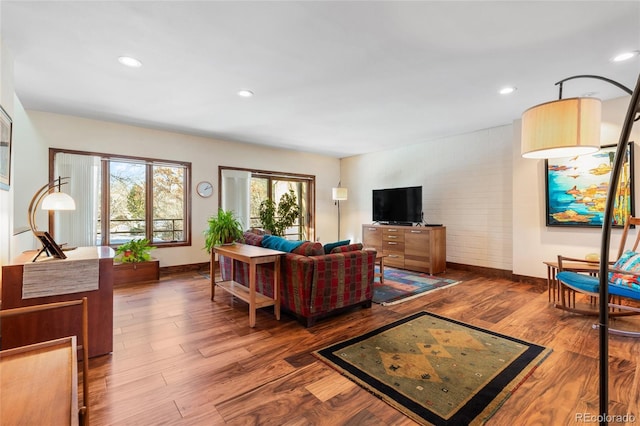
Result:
{"points": [[330, 246], [279, 243]]}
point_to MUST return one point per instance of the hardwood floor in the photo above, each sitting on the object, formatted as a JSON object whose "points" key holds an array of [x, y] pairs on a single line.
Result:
{"points": [[180, 358]]}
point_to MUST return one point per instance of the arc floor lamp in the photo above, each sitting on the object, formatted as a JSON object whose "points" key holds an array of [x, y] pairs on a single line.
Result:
{"points": [[568, 127]]}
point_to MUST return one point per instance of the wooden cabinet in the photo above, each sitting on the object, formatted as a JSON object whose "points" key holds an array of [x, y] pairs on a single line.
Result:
{"points": [[48, 325], [417, 248], [372, 237], [393, 246]]}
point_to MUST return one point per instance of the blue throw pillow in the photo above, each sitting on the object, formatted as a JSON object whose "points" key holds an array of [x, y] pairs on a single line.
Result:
{"points": [[330, 246], [279, 243]]}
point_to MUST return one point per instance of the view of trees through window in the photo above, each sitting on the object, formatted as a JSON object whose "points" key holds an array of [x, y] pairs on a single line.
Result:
{"points": [[168, 203], [144, 199], [130, 206], [127, 208], [269, 187]]}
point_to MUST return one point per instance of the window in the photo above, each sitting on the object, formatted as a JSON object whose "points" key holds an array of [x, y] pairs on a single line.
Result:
{"points": [[265, 185], [120, 198]]}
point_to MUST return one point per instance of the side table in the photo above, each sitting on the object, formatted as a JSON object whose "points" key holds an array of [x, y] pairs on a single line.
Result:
{"points": [[380, 260], [553, 289]]}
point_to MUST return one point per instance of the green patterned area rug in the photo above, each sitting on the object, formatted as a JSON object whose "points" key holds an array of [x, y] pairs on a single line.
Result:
{"points": [[437, 370]]}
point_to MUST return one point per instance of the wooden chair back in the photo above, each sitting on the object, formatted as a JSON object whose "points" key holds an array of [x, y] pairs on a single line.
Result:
{"points": [[631, 221], [83, 411]]}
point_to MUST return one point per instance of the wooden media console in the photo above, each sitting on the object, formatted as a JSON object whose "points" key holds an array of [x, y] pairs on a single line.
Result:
{"points": [[417, 248]]}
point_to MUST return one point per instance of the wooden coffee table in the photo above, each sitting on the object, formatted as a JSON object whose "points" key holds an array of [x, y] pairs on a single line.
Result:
{"points": [[252, 255]]}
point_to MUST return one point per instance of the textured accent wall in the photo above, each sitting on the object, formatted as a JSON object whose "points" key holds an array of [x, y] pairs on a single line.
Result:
{"points": [[467, 186]]}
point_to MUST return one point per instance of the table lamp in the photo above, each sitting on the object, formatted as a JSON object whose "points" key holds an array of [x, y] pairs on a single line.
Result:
{"points": [[50, 200]]}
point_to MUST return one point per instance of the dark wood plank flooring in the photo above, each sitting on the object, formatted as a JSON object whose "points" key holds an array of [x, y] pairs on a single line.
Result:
{"points": [[180, 358]]}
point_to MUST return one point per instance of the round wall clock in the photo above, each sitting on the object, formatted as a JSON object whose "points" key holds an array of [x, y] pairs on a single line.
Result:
{"points": [[204, 189]]}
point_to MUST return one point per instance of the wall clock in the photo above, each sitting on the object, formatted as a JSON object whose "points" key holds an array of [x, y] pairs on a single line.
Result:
{"points": [[204, 189]]}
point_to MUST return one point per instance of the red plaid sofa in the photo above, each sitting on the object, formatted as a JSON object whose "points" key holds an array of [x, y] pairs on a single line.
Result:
{"points": [[313, 284]]}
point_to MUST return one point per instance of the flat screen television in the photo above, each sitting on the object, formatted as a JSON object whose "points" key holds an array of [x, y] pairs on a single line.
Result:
{"points": [[398, 205]]}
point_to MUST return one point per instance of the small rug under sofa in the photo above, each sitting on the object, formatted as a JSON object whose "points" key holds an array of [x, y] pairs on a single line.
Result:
{"points": [[401, 285]]}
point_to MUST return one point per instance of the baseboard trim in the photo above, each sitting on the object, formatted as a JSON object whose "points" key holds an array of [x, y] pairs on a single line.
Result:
{"points": [[480, 270], [499, 273], [166, 270]]}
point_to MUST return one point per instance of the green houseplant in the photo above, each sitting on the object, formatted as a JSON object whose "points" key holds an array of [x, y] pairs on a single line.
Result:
{"points": [[276, 219], [223, 228], [136, 250]]}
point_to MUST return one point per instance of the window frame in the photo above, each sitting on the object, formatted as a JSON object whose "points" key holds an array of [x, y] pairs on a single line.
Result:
{"points": [[104, 206], [271, 175]]}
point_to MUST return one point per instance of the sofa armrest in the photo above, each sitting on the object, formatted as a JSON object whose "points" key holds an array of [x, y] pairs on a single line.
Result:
{"points": [[296, 280], [342, 279]]}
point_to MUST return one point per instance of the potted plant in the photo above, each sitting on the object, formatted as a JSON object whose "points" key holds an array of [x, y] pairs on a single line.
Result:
{"points": [[276, 219], [224, 228], [134, 251], [133, 262]]}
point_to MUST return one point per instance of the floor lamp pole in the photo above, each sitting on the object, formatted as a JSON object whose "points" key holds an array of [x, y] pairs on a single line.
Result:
{"points": [[603, 326], [338, 203]]}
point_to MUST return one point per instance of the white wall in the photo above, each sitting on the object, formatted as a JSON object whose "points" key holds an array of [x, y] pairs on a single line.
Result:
{"points": [[6, 197], [533, 241], [45, 130], [477, 184], [466, 183], [491, 200]]}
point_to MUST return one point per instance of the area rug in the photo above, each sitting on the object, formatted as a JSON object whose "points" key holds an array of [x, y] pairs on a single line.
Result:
{"points": [[400, 286], [437, 370]]}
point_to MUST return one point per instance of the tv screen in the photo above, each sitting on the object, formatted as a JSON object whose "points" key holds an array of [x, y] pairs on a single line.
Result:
{"points": [[397, 205]]}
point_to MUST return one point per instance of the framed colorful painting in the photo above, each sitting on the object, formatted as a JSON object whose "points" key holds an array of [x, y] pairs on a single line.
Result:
{"points": [[577, 189], [5, 149]]}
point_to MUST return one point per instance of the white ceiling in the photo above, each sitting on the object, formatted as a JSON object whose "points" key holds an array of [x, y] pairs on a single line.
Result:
{"points": [[336, 78]]}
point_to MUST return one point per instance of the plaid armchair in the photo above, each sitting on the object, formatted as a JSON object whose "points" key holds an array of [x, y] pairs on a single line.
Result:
{"points": [[313, 284]]}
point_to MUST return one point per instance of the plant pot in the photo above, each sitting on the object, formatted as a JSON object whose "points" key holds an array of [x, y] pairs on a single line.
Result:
{"points": [[134, 272]]}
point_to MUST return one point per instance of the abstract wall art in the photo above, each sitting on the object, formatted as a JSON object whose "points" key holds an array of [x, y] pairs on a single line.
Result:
{"points": [[577, 189]]}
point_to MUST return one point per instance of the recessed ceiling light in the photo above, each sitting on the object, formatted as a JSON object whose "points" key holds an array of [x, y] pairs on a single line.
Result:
{"points": [[507, 90], [624, 56], [245, 93], [129, 61]]}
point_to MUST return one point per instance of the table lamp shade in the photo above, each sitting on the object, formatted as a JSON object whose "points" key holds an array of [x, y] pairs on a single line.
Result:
{"points": [[562, 128], [339, 194], [58, 201]]}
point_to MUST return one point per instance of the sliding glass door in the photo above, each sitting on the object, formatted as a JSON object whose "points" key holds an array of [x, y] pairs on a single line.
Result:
{"points": [[266, 185]]}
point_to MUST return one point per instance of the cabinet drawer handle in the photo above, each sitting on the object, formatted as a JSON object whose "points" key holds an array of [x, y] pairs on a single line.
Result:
{"points": [[391, 243], [416, 232], [393, 236], [372, 229], [393, 255], [392, 230]]}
